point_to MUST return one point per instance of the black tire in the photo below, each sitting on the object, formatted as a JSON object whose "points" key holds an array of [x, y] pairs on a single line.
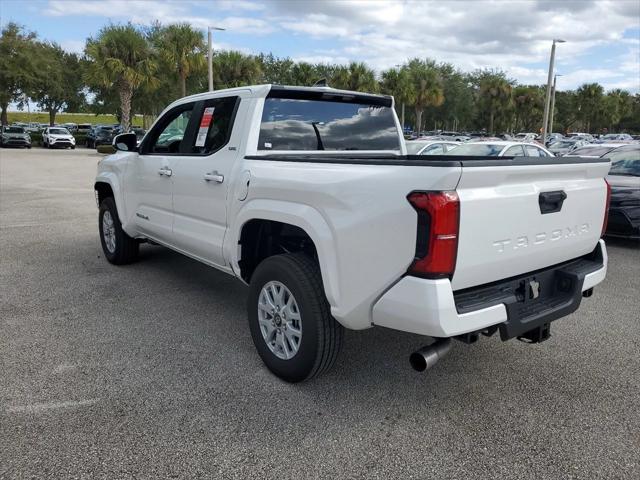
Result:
{"points": [[73, 147], [321, 334], [126, 248]]}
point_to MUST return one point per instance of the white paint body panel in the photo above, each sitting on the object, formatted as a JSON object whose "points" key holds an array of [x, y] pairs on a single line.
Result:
{"points": [[359, 219]]}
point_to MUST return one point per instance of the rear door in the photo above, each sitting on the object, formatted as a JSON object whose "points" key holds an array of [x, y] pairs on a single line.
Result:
{"points": [[526, 214], [202, 178]]}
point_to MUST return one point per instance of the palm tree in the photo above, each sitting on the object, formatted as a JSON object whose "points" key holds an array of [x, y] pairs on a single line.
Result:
{"points": [[396, 83], [304, 74], [235, 69], [182, 48], [120, 58], [425, 87], [589, 99], [357, 76], [496, 92]]}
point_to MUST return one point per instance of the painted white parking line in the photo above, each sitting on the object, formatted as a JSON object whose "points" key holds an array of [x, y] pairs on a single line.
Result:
{"points": [[43, 407]]}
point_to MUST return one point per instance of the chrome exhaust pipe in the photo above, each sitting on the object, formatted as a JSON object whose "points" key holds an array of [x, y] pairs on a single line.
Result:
{"points": [[428, 356]]}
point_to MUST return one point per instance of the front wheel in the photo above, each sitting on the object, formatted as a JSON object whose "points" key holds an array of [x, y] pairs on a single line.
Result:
{"points": [[289, 318], [118, 247]]}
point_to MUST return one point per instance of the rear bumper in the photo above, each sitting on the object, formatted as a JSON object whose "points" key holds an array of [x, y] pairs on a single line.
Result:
{"points": [[432, 308]]}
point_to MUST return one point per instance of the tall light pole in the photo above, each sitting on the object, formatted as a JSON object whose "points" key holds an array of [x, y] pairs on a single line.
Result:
{"points": [[399, 67], [553, 103], [548, 96], [210, 55]]}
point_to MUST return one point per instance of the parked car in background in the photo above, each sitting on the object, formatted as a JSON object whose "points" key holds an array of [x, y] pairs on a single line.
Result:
{"points": [[566, 145], [525, 137], [140, 132], [624, 181], [429, 147], [14, 136], [84, 127], [72, 127], [593, 150], [616, 137], [57, 137], [500, 149], [584, 136], [100, 135], [33, 127]]}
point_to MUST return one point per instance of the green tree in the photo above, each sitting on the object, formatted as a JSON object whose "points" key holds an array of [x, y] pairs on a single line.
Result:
{"points": [[495, 97], [396, 82], [59, 81], [276, 70], [589, 104], [528, 104], [356, 76], [182, 48], [235, 69], [18, 66], [425, 87], [304, 74], [121, 57]]}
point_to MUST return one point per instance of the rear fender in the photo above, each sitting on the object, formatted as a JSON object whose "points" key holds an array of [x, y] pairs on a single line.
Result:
{"points": [[303, 216]]}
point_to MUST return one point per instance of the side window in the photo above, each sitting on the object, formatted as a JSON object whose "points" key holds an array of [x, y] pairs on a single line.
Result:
{"points": [[533, 151], [167, 135], [215, 125], [541, 152], [435, 149], [515, 151]]}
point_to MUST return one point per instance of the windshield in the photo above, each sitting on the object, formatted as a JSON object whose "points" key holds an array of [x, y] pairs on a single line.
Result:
{"points": [[319, 124], [477, 149], [14, 130], [591, 151], [59, 131], [625, 161], [414, 147]]}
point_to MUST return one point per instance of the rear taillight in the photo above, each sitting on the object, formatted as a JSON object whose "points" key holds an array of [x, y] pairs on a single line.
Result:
{"points": [[437, 237], [606, 209]]}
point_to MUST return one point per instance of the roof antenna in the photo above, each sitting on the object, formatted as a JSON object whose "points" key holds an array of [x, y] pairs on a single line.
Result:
{"points": [[321, 83]]}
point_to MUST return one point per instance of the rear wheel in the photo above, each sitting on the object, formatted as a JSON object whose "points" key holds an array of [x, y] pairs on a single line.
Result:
{"points": [[118, 247], [289, 318]]}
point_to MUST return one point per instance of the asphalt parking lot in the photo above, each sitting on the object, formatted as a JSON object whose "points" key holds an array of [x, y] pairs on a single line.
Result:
{"points": [[149, 370]]}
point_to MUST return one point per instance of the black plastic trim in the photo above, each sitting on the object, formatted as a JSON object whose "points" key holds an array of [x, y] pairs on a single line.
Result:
{"points": [[560, 293], [422, 161]]}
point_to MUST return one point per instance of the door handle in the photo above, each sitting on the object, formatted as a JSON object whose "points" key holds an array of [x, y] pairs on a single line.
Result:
{"points": [[214, 177], [165, 171]]}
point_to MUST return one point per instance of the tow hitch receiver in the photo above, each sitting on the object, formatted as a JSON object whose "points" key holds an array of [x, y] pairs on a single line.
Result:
{"points": [[537, 335]]}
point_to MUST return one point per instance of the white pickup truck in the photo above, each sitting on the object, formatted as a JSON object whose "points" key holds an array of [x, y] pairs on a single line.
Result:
{"points": [[307, 195]]}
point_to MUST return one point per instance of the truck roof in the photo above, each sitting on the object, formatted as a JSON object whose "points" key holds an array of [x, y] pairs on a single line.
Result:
{"points": [[261, 91]]}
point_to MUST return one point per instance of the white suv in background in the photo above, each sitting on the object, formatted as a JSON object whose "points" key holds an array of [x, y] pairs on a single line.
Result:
{"points": [[57, 137]]}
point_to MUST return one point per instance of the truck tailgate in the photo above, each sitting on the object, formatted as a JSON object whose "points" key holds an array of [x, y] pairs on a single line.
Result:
{"points": [[519, 217]]}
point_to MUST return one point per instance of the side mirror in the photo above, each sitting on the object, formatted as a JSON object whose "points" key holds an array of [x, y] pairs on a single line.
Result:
{"points": [[125, 142]]}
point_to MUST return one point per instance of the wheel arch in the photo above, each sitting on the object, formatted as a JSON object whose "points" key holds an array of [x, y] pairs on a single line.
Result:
{"points": [[107, 185], [301, 220]]}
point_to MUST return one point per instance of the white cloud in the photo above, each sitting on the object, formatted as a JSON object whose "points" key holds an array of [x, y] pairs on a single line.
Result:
{"points": [[513, 36], [73, 46], [471, 34]]}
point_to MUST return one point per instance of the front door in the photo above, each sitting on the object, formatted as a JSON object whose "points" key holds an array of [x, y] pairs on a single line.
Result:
{"points": [[201, 180], [149, 178]]}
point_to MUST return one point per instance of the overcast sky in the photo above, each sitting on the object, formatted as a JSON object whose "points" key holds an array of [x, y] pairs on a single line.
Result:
{"points": [[603, 36]]}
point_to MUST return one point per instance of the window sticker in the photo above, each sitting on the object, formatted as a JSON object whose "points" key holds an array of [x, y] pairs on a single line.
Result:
{"points": [[205, 122]]}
